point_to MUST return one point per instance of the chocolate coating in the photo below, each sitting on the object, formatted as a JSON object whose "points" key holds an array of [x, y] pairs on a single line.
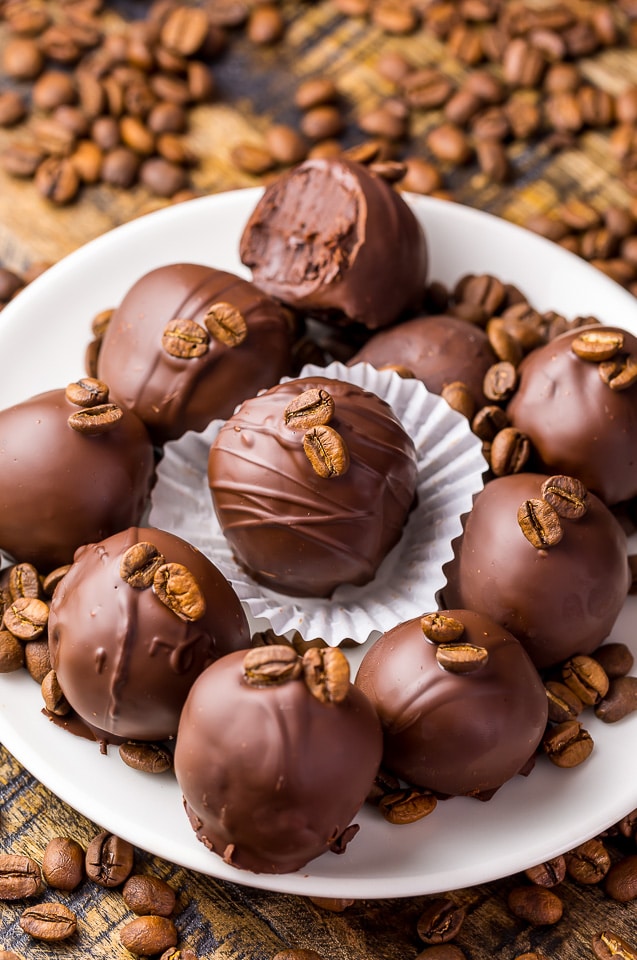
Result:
{"points": [[577, 424], [270, 775], [438, 350], [454, 733], [558, 602], [332, 238], [124, 660], [293, 530], [60, 488], [173, 394]]}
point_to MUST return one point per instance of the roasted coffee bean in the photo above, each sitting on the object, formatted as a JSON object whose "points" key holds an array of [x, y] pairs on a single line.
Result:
{"points": [[271, 665], [109, 860], [94, 421], [621, 880], [252, 158], [427, 88], [146, 895], [285, 144], [548, 874], [120, 167], [619, 373], [24, 581], [185, 30], [315, 92], [462, 106], [443, 951], [54, 137], [327, 452], [619, 701], [461, 657], [26, 618], [100, 322], [147, 757], [608, 946], [20, 877], [54, 700], [504, 342], [333, 904], [459, 397], [265, 25], [10, 284], [500, 381], [162, 177], [86, 160], [22, 59], [384, 784], [563, 703], [178, 589], [394, 17], [148, 935], [449, 144], [568, 744], [11, 652], [53, 89], [488, 422], [139, 565], [322, 122], [421, 176], [597, 345], [407, 805], [63, 863], [540, 524], [225, 323], [326, 674], [312, 408], [537, 905], [37, 659], [510, 452], [167, 117], [87, 392], [12, 108], [22, 159], [627, 826], [567, 496], [440, 921], [589, 862], [136, 135], [439, 628], [389, 121], [179, 953], [51, 922], [57, 180], [586, 678], [185, 339]]}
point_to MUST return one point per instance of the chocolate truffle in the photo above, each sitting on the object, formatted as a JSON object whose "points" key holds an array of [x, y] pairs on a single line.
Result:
{"points": [[272, 769], [581, 414], [558, 600], [334, 239], [188, 343], [459, 715], [312, 483], [438, 350], [132, 624], [64, 485]]}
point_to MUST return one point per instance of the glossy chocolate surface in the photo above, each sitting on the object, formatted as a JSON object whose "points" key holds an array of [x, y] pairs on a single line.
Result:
{"points": [[173, 394], [60, 488], [332, 238], [270, 775], [124, 660], [438, 350], [454, 733], [558, 602], [577, 424], [293, 530]]}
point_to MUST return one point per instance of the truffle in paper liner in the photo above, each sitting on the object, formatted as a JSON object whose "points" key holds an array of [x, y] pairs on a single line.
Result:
{"points": [[450, 472]]}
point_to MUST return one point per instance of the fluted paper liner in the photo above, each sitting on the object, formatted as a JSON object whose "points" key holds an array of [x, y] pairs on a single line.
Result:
{"points": [[450, 473]]}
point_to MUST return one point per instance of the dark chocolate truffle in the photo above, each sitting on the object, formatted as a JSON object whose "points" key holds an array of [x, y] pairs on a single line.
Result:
{"points": [[132, 624], [60, 486], [559, 600], [455, 732], [272, 775], [438, 350], [578, 422], [177, 363], [334, 239], [311, 502]]}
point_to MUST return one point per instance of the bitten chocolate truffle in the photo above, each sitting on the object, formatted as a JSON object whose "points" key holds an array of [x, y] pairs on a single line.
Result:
{"points": [[72, 471], [132, 624], [438, 350], [312, 483], [188, 343], [275, 755], [550, 567], [334, 239], [577, 402], [461, 705]]}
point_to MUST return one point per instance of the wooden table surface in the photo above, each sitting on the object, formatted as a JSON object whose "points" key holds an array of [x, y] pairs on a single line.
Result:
{"points": [[219, 919]]}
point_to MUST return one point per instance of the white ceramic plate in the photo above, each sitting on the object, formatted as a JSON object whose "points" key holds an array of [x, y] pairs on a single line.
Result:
{"points": [[43, 334]]}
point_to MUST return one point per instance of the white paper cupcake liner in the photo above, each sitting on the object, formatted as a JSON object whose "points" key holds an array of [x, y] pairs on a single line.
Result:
{"points": [[450, 472]]}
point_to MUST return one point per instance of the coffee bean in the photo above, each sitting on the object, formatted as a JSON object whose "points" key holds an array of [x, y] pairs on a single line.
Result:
{"points": [[178, 590], [440, 628], [52, 89], [488, 422], [500, 381], [421, 176], [22, 59], [385, 121], [179, 953], [333, 904], [24, 581], [589, 862], [315, 92], [285, 144], [137, 136], [608, 945], [225, 323], [427, 88], [461, 658], [548, 874], [120, 165], [407, 805], [37, 659], [20, 877], [11, 652], [51, 922], [12, 108], [146, 895], [87, 392], [449, 143], [619, 373], [252, 158], [597, 345], [619, 702], [327, 452], [148, 935], [185, 30], [540, 524], [443, 951], [621, 880], [147, 757], [167, 117], [563, 703], [568, 744], [26, 618], [109, 860], [185, 339], [312, 408], [459, 397], [57, 180], [63, 863], [461, 107], [10, 284], [567, 496], [139, 564], [322, 122], [162, 177], [586, 678], [326, 674], [100, 322], [537, 905], [440, 921], [271, 665], [394, 17], [95, 421], [510, 452], [54, 700]]}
